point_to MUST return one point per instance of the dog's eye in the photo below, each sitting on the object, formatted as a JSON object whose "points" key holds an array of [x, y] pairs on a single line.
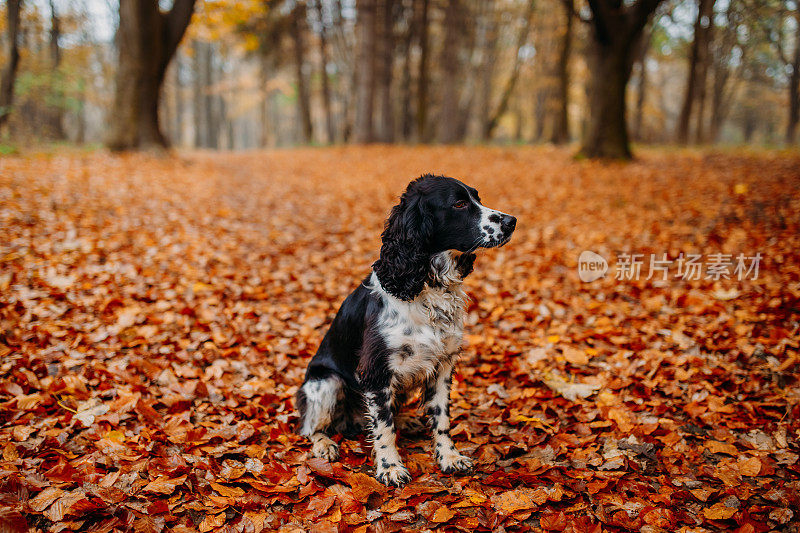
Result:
{"points": [[461, 204]]}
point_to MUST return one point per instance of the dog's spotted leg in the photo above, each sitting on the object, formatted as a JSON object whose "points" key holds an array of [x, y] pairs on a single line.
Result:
{"points": [[437, 409], [389, 468]]}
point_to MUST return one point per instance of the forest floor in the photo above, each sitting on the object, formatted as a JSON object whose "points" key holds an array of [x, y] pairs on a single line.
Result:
{"points": [[157, 315]]}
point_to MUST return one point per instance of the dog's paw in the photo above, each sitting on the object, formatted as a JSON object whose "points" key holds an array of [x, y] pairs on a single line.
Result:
{"points": [[325, 448], [452, 462], [392, 474], [410, 425]]}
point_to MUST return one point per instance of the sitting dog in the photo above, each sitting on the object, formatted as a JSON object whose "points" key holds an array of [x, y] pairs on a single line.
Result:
{"points": [[402, 328]]}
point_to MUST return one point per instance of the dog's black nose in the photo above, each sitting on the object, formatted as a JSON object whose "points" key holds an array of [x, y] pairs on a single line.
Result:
{"points": [[508, 223]]}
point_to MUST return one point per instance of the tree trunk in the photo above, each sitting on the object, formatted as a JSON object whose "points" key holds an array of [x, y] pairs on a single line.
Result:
{"points": [[9, 73], [177, 102], [148, 39], [407, 118], [265, 122], [722, 91], [707, 24], [453, 27], [561, 122], [365, 90], [56, 111], [644, 46], [303, 97], [200, 108], [540, 98], [211, 134], [423, 133], [385, 130], [615, 32], [512, 80], [794, 85], [326, 89], [487, 44], [607, 135], [697, 67]]}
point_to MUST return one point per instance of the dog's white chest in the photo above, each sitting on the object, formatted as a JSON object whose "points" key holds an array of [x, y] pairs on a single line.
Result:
{"points": [[422, 333]]}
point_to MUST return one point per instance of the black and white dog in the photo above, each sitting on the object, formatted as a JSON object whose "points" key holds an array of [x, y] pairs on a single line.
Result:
{"points": [[401, 328]]}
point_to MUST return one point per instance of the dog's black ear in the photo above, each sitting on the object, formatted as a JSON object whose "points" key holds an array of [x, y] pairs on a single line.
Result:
{"points": [[464, 264], [405, 259]]}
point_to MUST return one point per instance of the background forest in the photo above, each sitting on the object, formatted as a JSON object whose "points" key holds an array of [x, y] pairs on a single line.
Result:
{"points": [[260, 73]]}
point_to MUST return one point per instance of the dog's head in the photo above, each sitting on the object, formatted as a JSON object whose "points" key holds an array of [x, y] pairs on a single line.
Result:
{"points": [[435, 214]]}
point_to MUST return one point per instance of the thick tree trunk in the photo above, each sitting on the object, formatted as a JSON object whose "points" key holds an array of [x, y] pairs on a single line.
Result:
{"points": [[423, 133], [9, 73], [607, 135], [148, 39], [323, 57], [794, 85], [615, 31], [561, 123], [365, 62], [695, 81], [303, 97], [385, 130]]}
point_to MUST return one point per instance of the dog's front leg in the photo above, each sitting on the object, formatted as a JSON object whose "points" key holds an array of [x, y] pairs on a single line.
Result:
{"points": [[437, 409], [389, 467]]}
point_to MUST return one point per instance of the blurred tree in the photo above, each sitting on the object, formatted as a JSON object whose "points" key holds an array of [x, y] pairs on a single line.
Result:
{"points": [[502, 107], [779, 33], [641, 82], [454, 22], [385, 70], [9, 73], [794, 82], [148, 38], [323, 59], [725, 70], [57, 111], [365, 74], [560, 134], [616, 28], [298, 31], [694, 96], [423, 75]]}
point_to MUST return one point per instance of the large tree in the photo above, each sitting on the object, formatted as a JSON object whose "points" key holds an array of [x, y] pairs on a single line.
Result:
{"points": [[147, 38], [616, 30], [9, 73]]}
